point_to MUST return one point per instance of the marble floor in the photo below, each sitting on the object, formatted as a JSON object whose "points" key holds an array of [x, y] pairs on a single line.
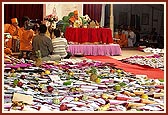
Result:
{"points": [[130, 52]]}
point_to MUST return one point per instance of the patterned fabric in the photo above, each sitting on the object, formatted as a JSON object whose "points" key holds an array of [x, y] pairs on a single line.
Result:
{"points": [[60, 46]]}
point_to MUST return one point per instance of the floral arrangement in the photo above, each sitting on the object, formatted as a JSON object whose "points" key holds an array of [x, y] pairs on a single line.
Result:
{"points": [[86, 19], [51, 18]]}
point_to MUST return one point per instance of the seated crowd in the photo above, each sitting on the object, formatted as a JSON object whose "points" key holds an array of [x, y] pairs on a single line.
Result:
{"points": [[30, 39], [125, 37]]}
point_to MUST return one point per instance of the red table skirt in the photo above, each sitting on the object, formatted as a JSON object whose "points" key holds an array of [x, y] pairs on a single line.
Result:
{"points": [[92, 35]]}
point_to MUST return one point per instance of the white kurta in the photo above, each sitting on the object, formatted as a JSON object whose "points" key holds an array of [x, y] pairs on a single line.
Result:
{"points": [[131, 39]]}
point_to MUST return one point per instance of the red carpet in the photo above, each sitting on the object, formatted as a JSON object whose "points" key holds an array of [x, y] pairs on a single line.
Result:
{"points": [[135, 69]]}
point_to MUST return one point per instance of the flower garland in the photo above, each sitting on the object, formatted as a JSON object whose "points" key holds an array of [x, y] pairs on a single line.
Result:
{"points": [[51, 18]]}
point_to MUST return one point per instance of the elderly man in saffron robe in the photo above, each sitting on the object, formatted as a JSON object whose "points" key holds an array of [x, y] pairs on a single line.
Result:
{"points": [[13, 29], [75, 20]]}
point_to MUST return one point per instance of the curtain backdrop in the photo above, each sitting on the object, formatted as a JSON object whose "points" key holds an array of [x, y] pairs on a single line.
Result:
{"points": [[93, 10], [33, 11]]}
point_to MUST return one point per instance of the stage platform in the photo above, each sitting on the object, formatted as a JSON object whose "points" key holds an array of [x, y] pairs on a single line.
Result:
{"points": [[95, 50]]}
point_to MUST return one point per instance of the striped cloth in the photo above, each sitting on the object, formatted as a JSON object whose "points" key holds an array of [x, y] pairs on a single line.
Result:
{"points": [[60, 46]]}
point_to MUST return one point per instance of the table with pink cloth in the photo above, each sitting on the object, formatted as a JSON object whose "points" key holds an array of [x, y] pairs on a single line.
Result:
{"points": [[103, 49]]}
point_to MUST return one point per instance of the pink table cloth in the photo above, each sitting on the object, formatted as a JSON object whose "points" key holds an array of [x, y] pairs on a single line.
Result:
{"points": [[107, 50]]}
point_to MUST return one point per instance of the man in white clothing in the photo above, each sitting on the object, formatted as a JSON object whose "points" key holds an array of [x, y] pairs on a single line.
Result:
{"points": [[131, 38], [60, 45]]}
